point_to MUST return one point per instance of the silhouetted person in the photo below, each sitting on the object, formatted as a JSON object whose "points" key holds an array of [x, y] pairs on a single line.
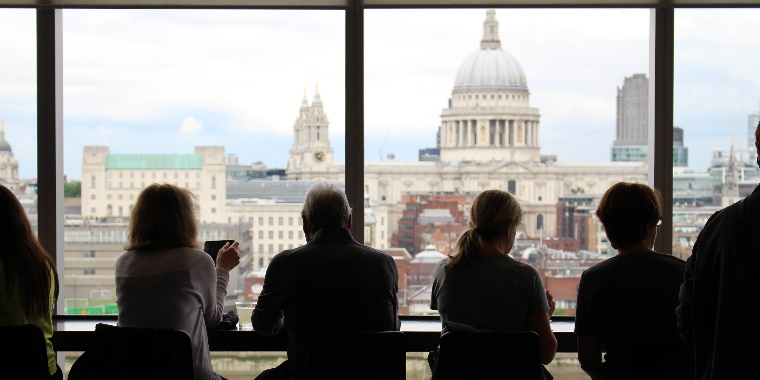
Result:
{"points": [[481, 287], [28, 278], [718, 295], [332, 284], [164, 280], [632, 295]]}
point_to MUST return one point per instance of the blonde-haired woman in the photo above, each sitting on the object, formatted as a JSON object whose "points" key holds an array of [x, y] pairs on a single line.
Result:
{"points": [[479, 285], [164, 280]]}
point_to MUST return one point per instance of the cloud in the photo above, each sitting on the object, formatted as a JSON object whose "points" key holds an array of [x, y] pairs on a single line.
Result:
{"points": [[191, 125], [102, 130], [243, 74]]}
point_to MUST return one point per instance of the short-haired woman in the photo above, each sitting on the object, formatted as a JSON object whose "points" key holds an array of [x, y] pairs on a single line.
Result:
{"points": [[482, 287], [632, 295], [28, 278], [164, 280]]}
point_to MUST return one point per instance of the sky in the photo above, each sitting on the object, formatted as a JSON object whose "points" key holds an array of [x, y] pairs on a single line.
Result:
{"points": [[164, 81]]}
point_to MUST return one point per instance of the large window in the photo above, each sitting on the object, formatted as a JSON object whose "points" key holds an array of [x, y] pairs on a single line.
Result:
{"points": [[18, 107], [526, 101], [716, 108], [173, 80], [227, 104]]}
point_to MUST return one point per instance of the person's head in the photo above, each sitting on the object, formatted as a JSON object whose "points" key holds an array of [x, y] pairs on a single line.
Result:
{"points": [[629, 212], [163, 217], [325, 206], [494, 214], [29, 271]]}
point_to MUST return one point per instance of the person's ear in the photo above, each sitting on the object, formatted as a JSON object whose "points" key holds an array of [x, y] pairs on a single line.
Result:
{"points": [[306, 232]]}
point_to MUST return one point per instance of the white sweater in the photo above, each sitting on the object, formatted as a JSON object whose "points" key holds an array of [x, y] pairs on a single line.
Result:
{"points": [[175, 288]]}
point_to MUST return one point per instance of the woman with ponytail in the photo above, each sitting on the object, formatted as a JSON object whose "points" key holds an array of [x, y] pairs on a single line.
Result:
{"points": [[480, 287], [28, 278]]}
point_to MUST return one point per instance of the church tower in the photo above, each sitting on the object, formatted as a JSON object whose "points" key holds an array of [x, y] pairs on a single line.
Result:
{"points": [[311, 151], [8, 163]]}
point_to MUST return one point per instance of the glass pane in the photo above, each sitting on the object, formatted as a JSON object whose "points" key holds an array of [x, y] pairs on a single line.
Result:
{"points": [[460, 101], [716, 107], [18, 107], [206, 100]]}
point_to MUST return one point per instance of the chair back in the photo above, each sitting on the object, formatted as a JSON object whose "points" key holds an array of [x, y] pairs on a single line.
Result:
{"points": [[135, 353], [23, 352], [489, 356], [370, 356], [658, 359]]}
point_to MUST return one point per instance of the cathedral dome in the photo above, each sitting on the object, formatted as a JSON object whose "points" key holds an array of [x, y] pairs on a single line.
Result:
{"points": [[490, 68], [5, 146]]}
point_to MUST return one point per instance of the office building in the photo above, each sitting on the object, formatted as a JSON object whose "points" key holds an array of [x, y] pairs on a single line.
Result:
{"points": [[632, 113]]}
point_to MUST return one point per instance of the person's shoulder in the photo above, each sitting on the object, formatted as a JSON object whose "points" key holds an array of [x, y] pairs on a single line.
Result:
{"points": [[670, 259], [283, 255], [600, 268], [376, 253], [512, 264], [123, 259], [192, 254]]}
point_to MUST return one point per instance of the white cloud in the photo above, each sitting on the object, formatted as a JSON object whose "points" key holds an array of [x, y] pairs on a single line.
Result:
{"points": [[243, 74], [191, 125], [102, 130]]}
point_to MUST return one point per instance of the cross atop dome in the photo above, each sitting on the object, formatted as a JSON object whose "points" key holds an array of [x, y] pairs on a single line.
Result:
{"points": [[490, 31]]}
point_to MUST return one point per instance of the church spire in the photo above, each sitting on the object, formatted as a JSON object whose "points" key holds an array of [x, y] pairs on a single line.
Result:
{"points": [[317, 99], [304, 102], [490, 31]]}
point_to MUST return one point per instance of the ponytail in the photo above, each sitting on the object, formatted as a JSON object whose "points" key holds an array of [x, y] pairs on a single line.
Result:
{"points": [[467, 248]]}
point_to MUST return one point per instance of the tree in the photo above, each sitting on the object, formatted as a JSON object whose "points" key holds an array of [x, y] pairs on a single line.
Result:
{"points": [[578, 190], [72, 190]]}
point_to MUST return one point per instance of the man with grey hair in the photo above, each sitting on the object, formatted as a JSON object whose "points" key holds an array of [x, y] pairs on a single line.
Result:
{"points": [[331, 284]]}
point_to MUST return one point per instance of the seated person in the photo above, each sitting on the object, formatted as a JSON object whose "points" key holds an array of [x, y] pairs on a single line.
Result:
{"points": [[632, 295], [28, 278], [164, 280], [480, 287], [332, 284]]}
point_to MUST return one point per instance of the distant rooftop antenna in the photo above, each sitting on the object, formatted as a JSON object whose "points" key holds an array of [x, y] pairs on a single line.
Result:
{"points": [[731, 131], [382, 145]]}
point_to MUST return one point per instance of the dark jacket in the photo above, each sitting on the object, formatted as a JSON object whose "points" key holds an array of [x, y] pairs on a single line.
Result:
{"points": [[719, 294], [331, 284]]}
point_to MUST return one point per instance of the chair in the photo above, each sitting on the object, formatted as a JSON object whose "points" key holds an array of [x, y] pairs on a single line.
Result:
{"points": [[656, 359], [23, 352], [135, 353], [488, 356], [370, 356]]}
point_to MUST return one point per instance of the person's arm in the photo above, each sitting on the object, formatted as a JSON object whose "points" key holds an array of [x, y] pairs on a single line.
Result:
{"points": [[268, 318], [396, 319], [686, 295], [227, 259], [542, 326], [590, 355], [587, 328]]}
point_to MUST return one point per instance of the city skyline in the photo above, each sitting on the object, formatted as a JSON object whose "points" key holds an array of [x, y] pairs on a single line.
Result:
{"points": [[149, 92]]}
